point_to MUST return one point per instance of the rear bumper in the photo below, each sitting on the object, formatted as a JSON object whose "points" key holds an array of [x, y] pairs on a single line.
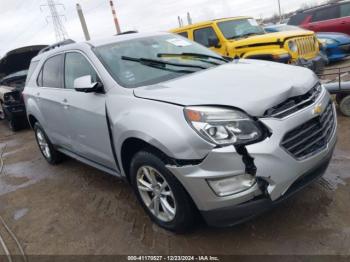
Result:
{"points": [[316, 64], [230, 216]]}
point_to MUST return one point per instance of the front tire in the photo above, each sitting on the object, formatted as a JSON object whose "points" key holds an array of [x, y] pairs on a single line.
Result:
{"points": [[46, 148], [161, 194]]}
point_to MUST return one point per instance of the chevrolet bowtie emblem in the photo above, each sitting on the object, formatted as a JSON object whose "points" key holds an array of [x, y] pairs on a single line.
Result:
{"points": [[317, 110]]}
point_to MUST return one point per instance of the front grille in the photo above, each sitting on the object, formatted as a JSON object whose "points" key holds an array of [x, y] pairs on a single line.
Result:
{"points": [[310, 137], [294, 104], [306, 45]]}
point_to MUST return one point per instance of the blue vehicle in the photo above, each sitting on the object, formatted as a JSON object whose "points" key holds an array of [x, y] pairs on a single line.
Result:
{"points": [[336, 46]]}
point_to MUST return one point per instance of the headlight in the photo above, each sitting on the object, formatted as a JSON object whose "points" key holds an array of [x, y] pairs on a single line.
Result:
{"points": [[231, 185], [292, 45], [328, 41], [9, 98], [223, 126]]}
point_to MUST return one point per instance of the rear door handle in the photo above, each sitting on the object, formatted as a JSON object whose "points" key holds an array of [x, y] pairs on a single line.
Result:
{"points": [[65, 103]]}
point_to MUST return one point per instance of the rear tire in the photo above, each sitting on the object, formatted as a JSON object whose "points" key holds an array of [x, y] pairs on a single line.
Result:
{"points": [[46, 148], [344, 106], [2, 111], [15, 124], [158, 189]]}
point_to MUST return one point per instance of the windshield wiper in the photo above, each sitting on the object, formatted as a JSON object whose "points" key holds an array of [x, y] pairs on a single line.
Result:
{"points": [[195, 55], [246, 35], [159, 63]]}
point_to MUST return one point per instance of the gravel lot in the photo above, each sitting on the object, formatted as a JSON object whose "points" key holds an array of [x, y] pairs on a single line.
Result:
{"points": [[75, 209]]}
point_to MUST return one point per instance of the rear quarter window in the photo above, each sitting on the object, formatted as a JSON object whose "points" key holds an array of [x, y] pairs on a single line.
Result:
{"points": [[32, 67]]}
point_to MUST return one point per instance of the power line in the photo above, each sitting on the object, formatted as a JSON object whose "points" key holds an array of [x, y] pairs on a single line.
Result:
{"points": [[60, 31]]}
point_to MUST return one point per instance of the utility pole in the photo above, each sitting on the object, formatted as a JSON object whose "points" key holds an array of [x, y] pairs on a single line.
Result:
{"points": [[60, 31], [117, 26], [189, 19], [279, 10], [83, 22], [179, 20]]}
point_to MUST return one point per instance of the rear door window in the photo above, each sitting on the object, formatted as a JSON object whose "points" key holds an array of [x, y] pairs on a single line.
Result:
{"points": [[298, 19], [52, 72], [345, 10], [202, 35], [328, 13]]}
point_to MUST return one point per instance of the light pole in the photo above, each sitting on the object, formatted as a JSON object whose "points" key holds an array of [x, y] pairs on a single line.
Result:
{"points": [[83, 22], [115, 18], [279, 9]]}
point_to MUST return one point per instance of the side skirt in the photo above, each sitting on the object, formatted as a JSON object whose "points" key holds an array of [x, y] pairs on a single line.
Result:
{"points": [[90, 163]]}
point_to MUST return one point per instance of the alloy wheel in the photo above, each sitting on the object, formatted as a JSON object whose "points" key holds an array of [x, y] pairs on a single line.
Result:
{"points": [[43, 145], [156, 193]]}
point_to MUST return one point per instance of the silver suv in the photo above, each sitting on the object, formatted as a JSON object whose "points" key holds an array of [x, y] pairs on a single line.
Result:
{"points": [[192, 132]]}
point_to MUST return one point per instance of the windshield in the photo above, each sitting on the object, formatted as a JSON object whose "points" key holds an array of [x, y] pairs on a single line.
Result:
{"points": [[233, 29], [143, 61]]}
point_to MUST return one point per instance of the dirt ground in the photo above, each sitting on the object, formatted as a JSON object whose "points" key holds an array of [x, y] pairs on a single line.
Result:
{"points": [[75, 209]]}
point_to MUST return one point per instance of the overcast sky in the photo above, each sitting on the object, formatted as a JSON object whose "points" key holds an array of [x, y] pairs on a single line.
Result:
{"points": [[24, 22]]}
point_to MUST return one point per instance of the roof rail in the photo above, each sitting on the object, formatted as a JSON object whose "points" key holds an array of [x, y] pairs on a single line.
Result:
{"points": [[128, 32], [56, 45]]}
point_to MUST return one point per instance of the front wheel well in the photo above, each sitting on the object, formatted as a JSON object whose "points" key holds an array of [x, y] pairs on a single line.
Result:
{"points": [[32, 120], [133, 145]]}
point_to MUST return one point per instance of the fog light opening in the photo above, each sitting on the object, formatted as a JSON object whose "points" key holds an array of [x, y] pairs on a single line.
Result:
{"points": [[232, 185]]}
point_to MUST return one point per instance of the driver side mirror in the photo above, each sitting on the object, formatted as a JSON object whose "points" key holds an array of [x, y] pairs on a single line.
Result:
{"points": [[214, 42], [85, 84]]}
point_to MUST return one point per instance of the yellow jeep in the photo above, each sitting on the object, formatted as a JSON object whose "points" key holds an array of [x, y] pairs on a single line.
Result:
{"points": [[242, 37]]}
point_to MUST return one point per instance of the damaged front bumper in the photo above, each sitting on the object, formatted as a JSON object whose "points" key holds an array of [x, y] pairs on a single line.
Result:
{"points": [[278, 173], [316, 64]]}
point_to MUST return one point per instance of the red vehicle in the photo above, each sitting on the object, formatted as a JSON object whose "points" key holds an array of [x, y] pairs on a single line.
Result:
{"points": [[325, 18]]}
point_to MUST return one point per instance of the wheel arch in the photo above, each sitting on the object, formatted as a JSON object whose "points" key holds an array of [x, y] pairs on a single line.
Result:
{"points": [[32, 120], [134, 144]]}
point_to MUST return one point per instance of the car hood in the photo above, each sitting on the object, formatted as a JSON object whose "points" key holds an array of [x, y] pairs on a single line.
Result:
{"points": [[271, 37], [251, 85], [339, 37]]}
